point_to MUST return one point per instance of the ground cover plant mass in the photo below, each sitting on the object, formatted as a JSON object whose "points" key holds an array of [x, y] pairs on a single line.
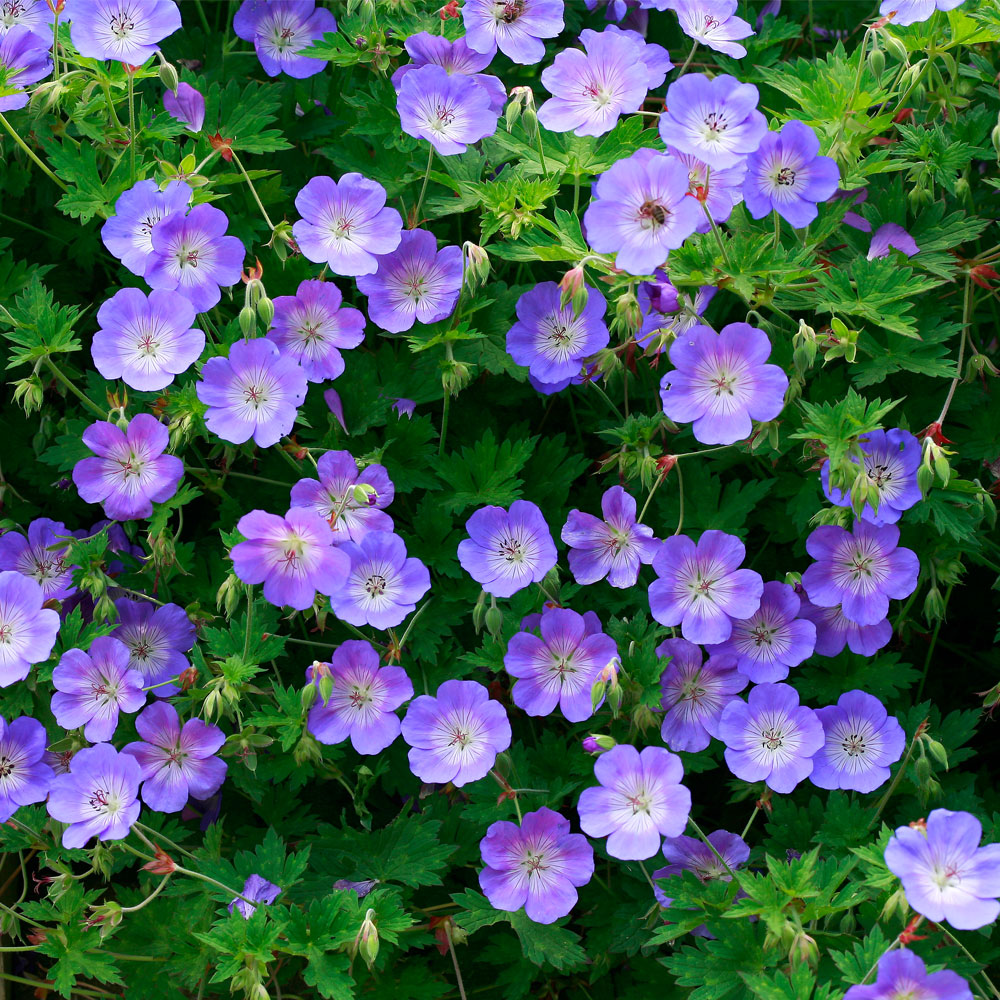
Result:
{"points": [[497, 499]]}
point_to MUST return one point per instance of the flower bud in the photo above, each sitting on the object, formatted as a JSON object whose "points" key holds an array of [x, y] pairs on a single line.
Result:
{"points": [[479, 612], [897, 901], [168, 76], [876, 61], [937, 751], [922, 769], [597, 693], [307, 750], [628, 315], [995, 139], [455, 376], [477, 264], [265, 310], [29, 393], [307, 696], [494, 621], [894, 46], [590, 745], [933, 605], [248, 321], [804, 950], [368, 939], [365, 494], [573, 289]]}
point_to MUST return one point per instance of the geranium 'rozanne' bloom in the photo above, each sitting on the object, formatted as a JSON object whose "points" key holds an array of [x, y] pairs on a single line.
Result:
{"points": [[156, 639], [715, 120], [345, 223], [363, 699], [259, 890], [313, 326], [667, 312], [655, 58], [416, 282], [128, 233], [516, 27], [902, 975], [537, 865], [771, 737], [25, 58], [456, 734], [40, 556], [614, 548], [712, 23], [640, 799], [280, 29], [185, 104], [293, 556], [177, 763], [146, 340], [904, 12], [35, 15], [891, 235], [97, 797], [641, 211], [255, 392], [701, 587], [694, 694], [27, 630], [946, 875], [25, 778], [834, 631], [860, 570], [127, 31], [721, 383], [507, 550], [720, 190], [692, 855]]}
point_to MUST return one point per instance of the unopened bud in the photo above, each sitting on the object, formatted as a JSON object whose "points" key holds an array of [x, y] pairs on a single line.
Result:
{"points": [[307, 696], [995, 139], [479, 612], [938, 752], [248, 320], [265, 310], [368, 939], [894, 47], [615, 696], [922, 769], [494, 621], [365, 494], [804, 950], [933, 605], [628, 314], [876, 61], [28, 392], [477, 264], [597, 693], [188, 678], [896, 902], [573, 289], [169, 77]]}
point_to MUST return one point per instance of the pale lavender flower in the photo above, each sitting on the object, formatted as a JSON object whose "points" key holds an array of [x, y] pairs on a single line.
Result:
{"points": [[892, 235], [516, 27], [720, 190], [713, 23], [25, 58], [689, 854], [834, 631], [902, 974], [259, 890], [35, 15], [655, 57], [667, 312], [27, 630], [25, 778], [187, 105], [156, 639], [280, 29], [128, 233], [905, 12], [127, 31], [40, 556]]}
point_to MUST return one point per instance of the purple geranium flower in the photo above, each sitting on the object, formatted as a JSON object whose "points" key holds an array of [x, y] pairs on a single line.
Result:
{"points": [[280, 29], [715, 120], [382, 585], [771, 737], [721, 382], [667, 312], [187, 105], [363, 700], [448, 111], [416, 282], [537, 865], [293, 556], [946, 875], [720, 190], [786, 174], [146, 341], [561, 667], [41, 557], [701, 587], [27, 630], [25, 778], [890, 460], [891, 235], [641, 210], [859, 570], [689, 854], [902, 974], [516, 27], [25, 58], [256, 888], [712, 23], [131, 471], [613, 548], [312, 326], [127, 234], [97, 797], [177, 763], [346, 223], [456, 734], [639, 800], [255, 392], [156, 639], [655, 58], [507, 550], [694, 694], [36, 15], [192, 254], [862, 740], [834, 631], [92, 688], [905, 12], [127, 31], [550, 339], [773, 638]]}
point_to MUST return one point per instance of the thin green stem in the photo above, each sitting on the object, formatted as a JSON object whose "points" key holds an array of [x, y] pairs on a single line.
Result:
{"points": [[423, 187], [412, 622], [111, 104], [697, 829], [246, 638], [454, 961], [576, 193], [253, 191], [86, 400], [777, 231], [649, 496], [202, 17], [702, 451], [652, 884], [141, 827], [717, 233], [687, 62], [31, 154], [854, 89], [933, 643], [541, 152], [966, 318], [55, 47], [882, 802], [131, 126], [680, 496], [607, 399], [753, 816], [446, 405], [309, 642], [149, 899], [972, 958], [237, 475]]}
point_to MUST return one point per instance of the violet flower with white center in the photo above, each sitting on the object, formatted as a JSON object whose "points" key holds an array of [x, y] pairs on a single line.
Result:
{"points": [[860, 570], [192, 254], [455, 735], [667, 312], [187, 105], [516, 27], [861, 741], [507, 551], [416, 282], [97, 797], [450, 112], [771, 737], [131, 471], [40, 556], [293, 556], [313, 326], [383, 586], [537, 865], [773, 639], [255, 392], [720, 190], [834, 631], [35, 15], [614, 548], [786, 174], [694, 694], [25, 778], [128, 31], [146, 340], [363, 699], [93, 687], [259, 890], [641, 211], [892, 235], [655, 58], [640, 799], [902, 974], [689, 854], [128, 233], [561, 667], [280, 29], [713, 23], [904, 12], [715, 120], [946, 875], [721, 383], [156, 639], [177, 763], [550, 339], [346, 223], [701, 587], [25, 58], [27, 630]]}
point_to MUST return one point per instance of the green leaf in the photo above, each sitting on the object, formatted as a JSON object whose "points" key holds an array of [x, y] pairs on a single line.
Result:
{"points": [[548, 944], [476, 911], [244, 114], [40, 326], [838, 425], [484, 474], [78, 954]]}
